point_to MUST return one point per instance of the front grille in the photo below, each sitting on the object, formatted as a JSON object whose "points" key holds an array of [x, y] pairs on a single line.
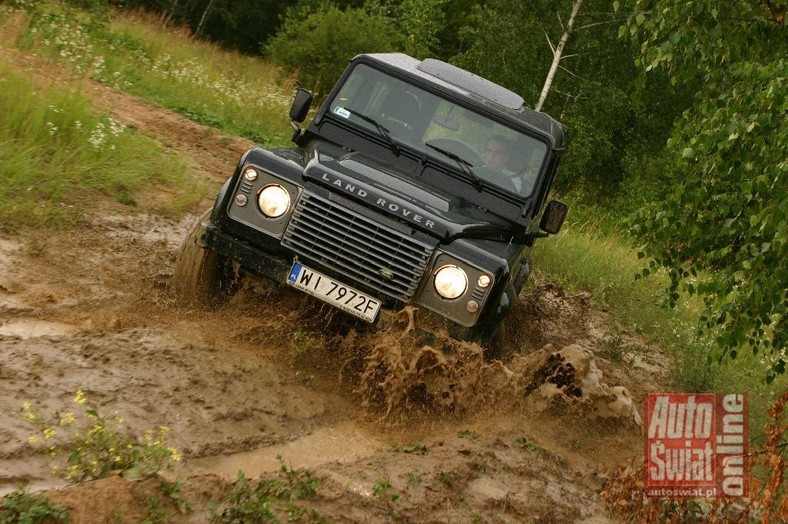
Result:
{"points": [[357, 247]]}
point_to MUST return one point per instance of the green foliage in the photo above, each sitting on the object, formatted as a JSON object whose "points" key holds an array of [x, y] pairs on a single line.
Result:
{"points": [[414, 478], [96, 446], [419, 21], [446, 478], [384, 492], [523, 443], [156, 513], [593, 254], [418, 449], [262, 502], [614, 122], [319, 44], [172, 490], [501, 46], [728, 213], [96, 6], [27, 508]]}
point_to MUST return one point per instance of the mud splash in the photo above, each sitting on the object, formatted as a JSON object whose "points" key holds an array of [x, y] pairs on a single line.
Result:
{"points": [[401, 377]]}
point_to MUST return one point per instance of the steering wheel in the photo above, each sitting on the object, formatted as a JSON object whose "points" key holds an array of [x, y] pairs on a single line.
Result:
{"points": [[459, 148], [498, 179]]}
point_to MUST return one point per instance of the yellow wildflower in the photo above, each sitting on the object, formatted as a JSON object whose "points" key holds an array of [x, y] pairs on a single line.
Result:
{"points": [[32, 439], [80, 398], [67, 419], [48, 433], [175, 454]]}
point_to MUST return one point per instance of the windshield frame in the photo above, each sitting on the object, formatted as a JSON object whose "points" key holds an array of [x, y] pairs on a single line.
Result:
{"points": [[464, 119]]}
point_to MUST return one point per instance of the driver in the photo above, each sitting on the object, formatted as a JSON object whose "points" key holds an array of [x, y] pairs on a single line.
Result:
{"points": [[496, 155]]}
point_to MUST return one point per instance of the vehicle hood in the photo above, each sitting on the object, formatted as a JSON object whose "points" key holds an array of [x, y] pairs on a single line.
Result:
{"points": [[400, 195]]}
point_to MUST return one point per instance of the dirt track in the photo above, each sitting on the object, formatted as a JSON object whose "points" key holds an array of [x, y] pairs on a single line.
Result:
{"points": [[90, 309]]}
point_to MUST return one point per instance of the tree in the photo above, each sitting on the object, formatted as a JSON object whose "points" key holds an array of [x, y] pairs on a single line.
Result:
{"points": [[319, 44], [557, 53], [206, 12], [419, 21], [722, 231]]}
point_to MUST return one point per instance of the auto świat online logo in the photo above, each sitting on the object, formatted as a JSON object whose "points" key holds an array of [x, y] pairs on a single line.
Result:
{"points": [[697, 445]]}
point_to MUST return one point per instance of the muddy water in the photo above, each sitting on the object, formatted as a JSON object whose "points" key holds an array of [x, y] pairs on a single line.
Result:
{"points": [[343, 443], [28, 328]]}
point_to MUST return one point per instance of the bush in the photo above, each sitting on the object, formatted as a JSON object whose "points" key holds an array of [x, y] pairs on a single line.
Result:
{"points": [[318, 45]]}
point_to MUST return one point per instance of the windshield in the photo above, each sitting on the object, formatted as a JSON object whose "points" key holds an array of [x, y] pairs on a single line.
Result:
{"points": [[478, 146]]}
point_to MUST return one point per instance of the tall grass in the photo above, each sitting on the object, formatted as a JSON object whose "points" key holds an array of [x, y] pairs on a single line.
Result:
{"points": [[235, 93], [57, 157], [588, 255]]}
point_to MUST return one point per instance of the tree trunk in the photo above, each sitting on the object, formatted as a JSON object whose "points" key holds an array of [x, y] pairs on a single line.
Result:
{"points": [[557, 55], [204, 17], [167, 15]]}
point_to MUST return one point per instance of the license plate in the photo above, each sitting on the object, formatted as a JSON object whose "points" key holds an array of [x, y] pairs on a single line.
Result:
{"points": [[335, 293]]}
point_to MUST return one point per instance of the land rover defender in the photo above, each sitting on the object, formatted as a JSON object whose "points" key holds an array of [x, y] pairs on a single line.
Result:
{"points": [[390, 198]]}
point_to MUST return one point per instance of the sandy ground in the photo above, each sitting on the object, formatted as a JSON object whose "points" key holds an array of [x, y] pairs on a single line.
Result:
{"points": [[273, 374]]}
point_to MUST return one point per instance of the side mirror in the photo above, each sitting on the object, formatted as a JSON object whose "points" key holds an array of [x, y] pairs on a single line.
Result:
{"points": [[553, 217], [301, 104]]}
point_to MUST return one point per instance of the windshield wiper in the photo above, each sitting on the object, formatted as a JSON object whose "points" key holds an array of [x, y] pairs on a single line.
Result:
{"points": [[382, 130], [465, 166]]}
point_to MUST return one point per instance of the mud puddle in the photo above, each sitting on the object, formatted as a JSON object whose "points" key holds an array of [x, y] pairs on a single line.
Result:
{"points": [[272, 374], [342, 443], [26, 329]]}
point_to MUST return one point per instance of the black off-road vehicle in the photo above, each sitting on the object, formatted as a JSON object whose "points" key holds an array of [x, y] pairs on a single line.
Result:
{"points": [[391, 198]]}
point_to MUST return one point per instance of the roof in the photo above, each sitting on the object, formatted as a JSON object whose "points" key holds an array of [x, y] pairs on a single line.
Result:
{"points": [[474, 88]]}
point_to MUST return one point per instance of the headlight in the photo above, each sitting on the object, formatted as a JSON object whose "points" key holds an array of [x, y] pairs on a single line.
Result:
{"points": [[273, 200], [450, 281]]}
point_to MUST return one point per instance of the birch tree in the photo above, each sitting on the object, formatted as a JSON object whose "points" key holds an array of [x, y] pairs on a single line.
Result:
{"points": [[557, 52], [206, 12]]}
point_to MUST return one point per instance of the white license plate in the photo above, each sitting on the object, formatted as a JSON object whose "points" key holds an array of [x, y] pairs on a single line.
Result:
{"points": [[335, 293]]}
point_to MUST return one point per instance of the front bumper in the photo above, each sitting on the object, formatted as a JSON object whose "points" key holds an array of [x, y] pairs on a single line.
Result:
{"points": [[259, 262]]}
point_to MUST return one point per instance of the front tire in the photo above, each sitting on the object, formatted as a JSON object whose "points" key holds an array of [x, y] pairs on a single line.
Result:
{"points": [[498, 344], [202, 277]]}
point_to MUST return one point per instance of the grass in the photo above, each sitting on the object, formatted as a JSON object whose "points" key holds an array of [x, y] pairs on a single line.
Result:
{"points": [[21, 507], [270, 498], [134, 52], [58, 157], [584, 256]]}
